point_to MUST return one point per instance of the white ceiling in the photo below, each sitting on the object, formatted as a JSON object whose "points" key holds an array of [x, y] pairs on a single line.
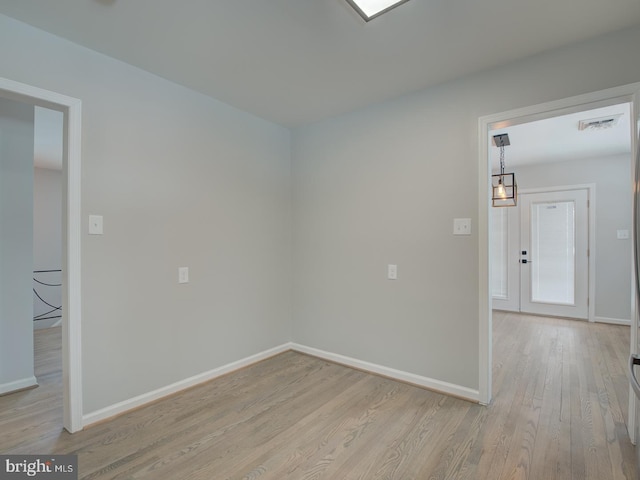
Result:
{"points": [[558, 139], [299, 61]]}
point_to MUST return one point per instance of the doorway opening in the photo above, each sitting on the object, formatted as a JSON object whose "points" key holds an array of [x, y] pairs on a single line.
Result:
{"points": [[629, 94], [71, 235], [48, 129], [590, 150], [585, 272]]}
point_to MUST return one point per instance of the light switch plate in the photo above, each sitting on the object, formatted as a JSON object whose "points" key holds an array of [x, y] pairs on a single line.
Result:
{"points": [[622, 234], [462, 226], [95, 225]]}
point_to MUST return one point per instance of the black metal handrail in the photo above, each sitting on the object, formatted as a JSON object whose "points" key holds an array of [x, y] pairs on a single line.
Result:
{"points": [[46, 315], [634, 360]]}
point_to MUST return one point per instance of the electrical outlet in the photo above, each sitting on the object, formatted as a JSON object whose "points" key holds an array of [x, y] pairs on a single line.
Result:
{"points": [[392, 272], [462, 226]]}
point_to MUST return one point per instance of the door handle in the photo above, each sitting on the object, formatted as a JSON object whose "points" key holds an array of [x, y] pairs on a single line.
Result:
{"points": [[634, 359], [524, 260]]}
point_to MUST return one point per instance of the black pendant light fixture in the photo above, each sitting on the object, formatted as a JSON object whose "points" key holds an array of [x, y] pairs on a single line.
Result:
{"points": [[504, 190]]}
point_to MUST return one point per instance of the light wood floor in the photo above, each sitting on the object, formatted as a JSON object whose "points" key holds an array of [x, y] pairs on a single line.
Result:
{"points": [[559, 409]]}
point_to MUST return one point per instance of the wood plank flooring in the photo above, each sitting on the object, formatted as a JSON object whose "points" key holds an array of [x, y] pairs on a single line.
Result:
{"points": [[559, 410]]}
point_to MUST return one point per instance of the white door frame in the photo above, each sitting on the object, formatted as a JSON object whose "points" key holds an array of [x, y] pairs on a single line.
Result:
{"points": [[71, 239], [624, 94]]}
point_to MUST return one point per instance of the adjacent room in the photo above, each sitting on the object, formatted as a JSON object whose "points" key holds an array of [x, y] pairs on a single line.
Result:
{"points": [[266, 247]]}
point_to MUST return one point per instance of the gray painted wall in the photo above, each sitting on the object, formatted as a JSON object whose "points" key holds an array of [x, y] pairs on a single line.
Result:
{"points": [[383, 185], [181, 180], [184, 180], [47, 240], [612, 177], [16, 251]]}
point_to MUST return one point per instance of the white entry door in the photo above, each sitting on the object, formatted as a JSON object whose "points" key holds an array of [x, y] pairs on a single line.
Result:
{"points": [[554, 253]]}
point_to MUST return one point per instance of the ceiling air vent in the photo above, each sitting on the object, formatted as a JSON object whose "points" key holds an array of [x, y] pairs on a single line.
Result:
{"points": [[601, 123]]}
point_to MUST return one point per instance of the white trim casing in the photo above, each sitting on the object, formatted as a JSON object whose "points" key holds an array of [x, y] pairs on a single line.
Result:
{"points": [[485, 337], [72, 358], [71, 262]]}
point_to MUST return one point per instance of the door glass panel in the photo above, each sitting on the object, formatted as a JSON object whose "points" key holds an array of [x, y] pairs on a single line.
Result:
{"points": [[499, 253], [553, 252]]}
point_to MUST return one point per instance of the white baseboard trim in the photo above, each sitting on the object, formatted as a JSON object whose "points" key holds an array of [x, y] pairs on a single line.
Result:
{"points": [[126, 405], [16, 385], [135, 402], [613, 321], [425, 382]]}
